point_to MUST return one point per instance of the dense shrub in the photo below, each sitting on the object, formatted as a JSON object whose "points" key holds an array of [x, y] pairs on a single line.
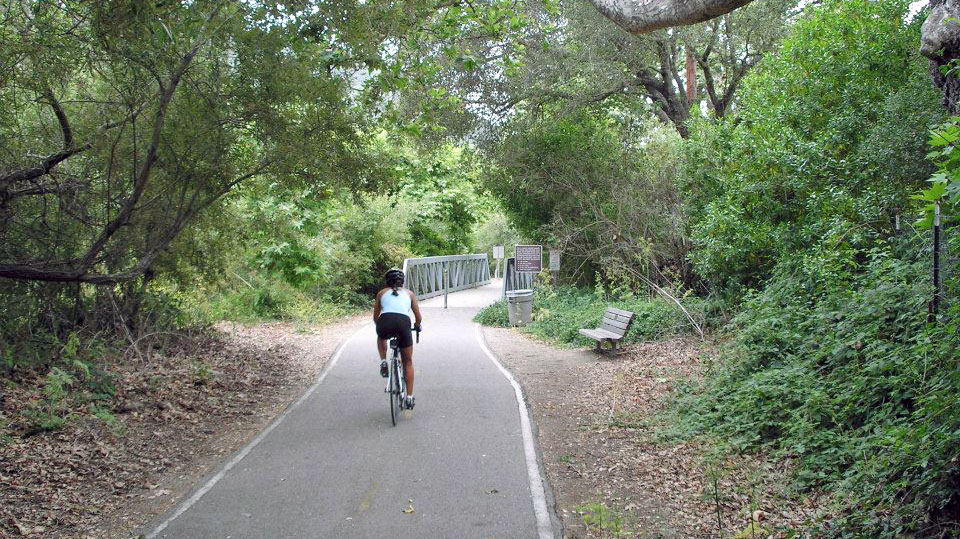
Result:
{"points": [[259, 298], [601, 186], [826, 149], [853, 383]]}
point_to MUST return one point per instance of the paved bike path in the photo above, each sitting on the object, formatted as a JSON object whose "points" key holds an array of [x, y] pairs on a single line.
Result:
{"points": [[333, 466]]}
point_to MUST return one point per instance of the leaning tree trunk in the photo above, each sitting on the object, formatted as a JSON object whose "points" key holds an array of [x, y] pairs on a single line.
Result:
{"points": [[941, 44]]}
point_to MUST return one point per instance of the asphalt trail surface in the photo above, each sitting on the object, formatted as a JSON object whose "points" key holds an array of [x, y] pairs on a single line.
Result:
{"points": [[333, 466]]}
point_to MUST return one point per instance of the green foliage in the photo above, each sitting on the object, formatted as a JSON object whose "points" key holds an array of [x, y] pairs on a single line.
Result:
{"points": [[605, 521], [440, 187], [601, 186], [113, 424], [258, 297], [850, 381], [826, 150], [202, 375], [558, 314], [495, 229], [494, 315], [945, 183], [51, 413]]}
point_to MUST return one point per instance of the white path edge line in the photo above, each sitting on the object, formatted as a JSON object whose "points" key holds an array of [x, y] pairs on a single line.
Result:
{"points": [[544, 526], [189, 502]]}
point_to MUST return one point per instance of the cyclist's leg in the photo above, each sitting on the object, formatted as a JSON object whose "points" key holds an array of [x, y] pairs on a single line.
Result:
{"points": [[383, 333], [406, 354]]}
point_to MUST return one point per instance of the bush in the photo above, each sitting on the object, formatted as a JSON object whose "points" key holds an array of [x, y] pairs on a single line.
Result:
{"points": [[494, 315], [827, 148], [852, 382]]}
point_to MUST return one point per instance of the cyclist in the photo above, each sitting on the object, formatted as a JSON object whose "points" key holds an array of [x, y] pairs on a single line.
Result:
{"points": [[391, 312]]}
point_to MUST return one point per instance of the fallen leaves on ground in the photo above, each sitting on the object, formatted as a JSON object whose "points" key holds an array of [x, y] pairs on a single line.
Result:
{"points": [[597, 420], [172, 407]]}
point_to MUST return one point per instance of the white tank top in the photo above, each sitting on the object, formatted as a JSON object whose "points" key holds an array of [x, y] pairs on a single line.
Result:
{"points": [[399, 304]]}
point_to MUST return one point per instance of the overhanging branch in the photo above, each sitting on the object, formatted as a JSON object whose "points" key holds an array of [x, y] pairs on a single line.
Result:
{"points": [[642, 16]]}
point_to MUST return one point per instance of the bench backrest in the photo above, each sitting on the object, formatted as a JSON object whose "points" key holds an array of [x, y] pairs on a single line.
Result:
{"points": [[616, 321]]}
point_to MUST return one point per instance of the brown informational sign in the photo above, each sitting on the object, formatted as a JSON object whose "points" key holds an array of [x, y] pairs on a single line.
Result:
{"points": [[529, 258]]}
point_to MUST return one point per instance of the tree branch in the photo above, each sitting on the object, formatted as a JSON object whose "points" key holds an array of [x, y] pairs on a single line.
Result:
{"points": [[143, 174], [643, 16], [42, 272], [61, 117]]}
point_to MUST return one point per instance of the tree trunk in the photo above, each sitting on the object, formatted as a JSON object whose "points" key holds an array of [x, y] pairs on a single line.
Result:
{"points": [[940, 42]]}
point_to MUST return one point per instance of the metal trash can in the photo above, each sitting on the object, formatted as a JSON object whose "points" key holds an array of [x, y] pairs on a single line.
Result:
{"points": [[520, 307]]}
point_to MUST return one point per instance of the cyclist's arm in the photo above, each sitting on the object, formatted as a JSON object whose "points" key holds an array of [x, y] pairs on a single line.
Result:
{"points": [[415, 307], [376, 306]]}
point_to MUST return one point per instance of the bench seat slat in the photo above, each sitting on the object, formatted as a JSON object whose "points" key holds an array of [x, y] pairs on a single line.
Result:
{"points": [[599, 334], [613, 331]]}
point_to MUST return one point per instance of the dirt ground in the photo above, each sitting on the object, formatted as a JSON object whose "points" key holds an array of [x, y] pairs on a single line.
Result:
{"points": [[178, 413], [596, 420]]}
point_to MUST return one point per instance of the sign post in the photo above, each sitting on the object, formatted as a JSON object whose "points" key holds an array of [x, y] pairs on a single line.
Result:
{"points": [[555, 265], [446, 283], [498, 256]]}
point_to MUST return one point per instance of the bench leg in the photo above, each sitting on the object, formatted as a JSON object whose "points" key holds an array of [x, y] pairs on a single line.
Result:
{"points": [[599, 346]]}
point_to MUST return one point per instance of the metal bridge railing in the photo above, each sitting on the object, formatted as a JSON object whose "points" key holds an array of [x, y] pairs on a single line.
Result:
{"points": [[515, 280], [433, 275]]}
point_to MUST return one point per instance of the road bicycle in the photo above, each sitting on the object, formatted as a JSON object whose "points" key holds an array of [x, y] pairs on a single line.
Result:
{"points": [[396, 383]]}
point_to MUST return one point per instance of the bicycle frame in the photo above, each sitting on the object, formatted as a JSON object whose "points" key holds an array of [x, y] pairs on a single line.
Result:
{"points": [[396, 383]]}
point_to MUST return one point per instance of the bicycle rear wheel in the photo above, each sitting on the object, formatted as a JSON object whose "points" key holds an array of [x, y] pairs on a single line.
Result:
{"points": [[394, 391], [401, 386]]}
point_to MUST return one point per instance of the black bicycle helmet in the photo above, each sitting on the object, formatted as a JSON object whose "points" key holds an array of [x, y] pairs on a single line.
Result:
{"points": [[394, 279]]}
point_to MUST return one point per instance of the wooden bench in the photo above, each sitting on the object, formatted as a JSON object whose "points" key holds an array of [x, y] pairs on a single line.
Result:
{"points": [[614, 326]]}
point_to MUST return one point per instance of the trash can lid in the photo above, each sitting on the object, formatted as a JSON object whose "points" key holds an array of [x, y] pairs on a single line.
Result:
{"points": [[521, 292]]}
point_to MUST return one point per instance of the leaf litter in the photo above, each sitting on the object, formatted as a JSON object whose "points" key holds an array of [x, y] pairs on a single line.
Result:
{"points": [[194, 399], [597, 420]]}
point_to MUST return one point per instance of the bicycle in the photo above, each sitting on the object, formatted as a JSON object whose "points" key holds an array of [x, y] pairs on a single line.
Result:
{"points": [[396, 383]]}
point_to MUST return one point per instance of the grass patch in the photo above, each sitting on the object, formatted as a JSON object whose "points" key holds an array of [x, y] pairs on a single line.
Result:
{"points": [[558, 314], [603, 520], [494, 315]]}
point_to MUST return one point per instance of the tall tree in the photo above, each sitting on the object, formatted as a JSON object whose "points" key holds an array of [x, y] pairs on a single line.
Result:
{"points": [[940, 41], [120, 122], [572, 56]]}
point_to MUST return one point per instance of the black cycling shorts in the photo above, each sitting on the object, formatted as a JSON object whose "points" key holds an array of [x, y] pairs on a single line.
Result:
{"points": [[395, 325]]}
